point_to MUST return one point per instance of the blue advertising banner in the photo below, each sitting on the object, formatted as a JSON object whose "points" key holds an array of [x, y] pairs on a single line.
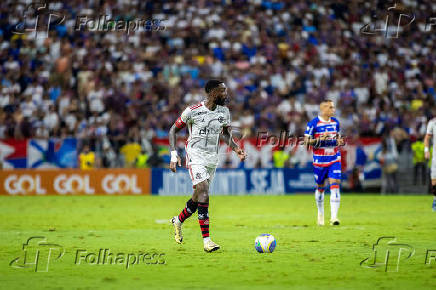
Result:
{"points": [[38, 153], [53, 153], [236, 181], [63, 153]]}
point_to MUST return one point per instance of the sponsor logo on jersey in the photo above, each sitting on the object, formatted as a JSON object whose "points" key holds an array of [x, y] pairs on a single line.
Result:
{"points": [[207, 131], [199, 113]]}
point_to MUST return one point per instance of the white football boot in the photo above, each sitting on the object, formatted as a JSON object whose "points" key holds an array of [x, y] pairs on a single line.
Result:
{"points": [[178, 236], [210, 246]]}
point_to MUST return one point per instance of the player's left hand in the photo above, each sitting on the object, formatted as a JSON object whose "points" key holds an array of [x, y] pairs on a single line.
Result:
{"points": [[241, 154]]}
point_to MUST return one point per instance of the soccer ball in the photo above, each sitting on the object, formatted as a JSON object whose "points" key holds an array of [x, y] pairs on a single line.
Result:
{"points": [[265, 243]]}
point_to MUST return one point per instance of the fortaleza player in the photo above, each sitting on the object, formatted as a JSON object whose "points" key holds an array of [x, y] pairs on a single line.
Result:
{"points": [[323, 134], [431, 132], [206, 121]]}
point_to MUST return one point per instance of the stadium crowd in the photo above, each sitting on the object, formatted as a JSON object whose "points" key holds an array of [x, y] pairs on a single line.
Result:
{"points": [[278, 58]]}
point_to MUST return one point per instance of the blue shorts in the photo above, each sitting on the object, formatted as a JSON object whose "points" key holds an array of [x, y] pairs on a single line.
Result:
{"points": [[322, 173]]}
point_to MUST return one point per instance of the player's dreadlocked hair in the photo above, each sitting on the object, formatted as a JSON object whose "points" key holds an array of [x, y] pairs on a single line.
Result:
{"points": [[211, 84]]}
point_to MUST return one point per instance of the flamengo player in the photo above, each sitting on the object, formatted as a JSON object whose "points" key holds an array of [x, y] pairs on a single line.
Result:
{"points": [[206, 121], [323, 134], [431, 132]]}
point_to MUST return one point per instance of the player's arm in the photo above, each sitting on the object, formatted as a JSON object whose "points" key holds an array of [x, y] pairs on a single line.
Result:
{"points": [[339, 139], [172, 135], [427, 145], [227, 136]]}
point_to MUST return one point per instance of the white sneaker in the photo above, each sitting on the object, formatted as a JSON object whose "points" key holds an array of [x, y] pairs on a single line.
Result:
{"points": [[320, 219], [177, 229], [210, 246]]}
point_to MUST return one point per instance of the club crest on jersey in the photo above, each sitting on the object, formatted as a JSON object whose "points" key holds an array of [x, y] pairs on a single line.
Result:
{"points": [[221, 119], [198, 176]]}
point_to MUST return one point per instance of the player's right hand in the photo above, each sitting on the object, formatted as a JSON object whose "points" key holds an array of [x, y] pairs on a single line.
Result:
{"points": [[427, 155], [340, 141], [173, 165]]}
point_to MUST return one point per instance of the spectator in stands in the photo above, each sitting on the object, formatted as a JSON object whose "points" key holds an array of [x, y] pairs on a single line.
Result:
{"points": [[389, 161], [87, 158], [109, 157], [358, 175], [419, 162], [155, 160], [131, 150], [141, 160]]}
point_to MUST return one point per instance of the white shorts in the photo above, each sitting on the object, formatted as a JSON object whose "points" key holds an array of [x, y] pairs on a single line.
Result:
{"points": [[200, 173], [195, 157]]}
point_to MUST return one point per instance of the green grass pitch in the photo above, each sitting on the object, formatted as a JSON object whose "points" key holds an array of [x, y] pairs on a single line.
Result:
{"points": [[306, 257]]}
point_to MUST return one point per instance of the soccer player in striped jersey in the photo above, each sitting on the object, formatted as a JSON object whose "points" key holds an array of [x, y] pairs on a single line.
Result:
{"points": [[323, 134], [206, 122]]}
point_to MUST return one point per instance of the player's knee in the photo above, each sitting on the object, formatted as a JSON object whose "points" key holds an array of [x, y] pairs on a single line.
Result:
{"points": [[334, 181], [202, 191], [203, 188], [319, 196], [319, 193]]}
